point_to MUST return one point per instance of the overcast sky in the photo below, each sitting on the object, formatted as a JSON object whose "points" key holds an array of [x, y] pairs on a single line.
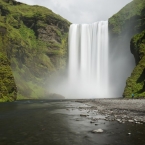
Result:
{"points": [[82, 11]]}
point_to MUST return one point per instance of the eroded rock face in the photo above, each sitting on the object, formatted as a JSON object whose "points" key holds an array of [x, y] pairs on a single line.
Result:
{"points": [[49, 33]]}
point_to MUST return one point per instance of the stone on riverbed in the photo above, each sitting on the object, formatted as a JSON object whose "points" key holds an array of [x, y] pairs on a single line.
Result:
{"points": [[84, 115], [92, 121], [97, 131], [131, 121], [78, 119]]}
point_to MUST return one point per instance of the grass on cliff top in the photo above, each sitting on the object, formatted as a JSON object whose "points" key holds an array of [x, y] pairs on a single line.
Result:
{"points": [[30, 11], [14, 19], [131, 10]]}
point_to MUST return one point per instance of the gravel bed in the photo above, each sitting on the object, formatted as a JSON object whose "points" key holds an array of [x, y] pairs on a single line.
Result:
{"points": [[121, 110]]}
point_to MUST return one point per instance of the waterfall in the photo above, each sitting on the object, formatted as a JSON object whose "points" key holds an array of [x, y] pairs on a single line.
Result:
{"points": [[88, 60]]}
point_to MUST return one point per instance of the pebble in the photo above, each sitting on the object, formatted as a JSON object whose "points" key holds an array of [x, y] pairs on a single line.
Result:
{"points": [[84, 115], [98, 131], [131, 121], [92, 121], [119, 120], [123, 114]]}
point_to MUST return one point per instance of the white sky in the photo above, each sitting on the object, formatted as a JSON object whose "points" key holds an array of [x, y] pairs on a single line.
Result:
{"points": [[82, 11]]}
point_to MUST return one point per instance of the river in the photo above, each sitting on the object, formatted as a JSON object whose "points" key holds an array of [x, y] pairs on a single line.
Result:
{"points": [[44, 122]]}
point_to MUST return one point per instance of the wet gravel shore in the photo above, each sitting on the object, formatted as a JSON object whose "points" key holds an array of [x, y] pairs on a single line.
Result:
{"points": [[121, 110]]}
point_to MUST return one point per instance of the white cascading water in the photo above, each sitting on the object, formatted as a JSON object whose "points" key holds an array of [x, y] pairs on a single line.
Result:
{"points": [[88, 60]]}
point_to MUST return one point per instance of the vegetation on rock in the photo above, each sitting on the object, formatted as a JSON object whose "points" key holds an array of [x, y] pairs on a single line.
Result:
{"points": [[8, 90], [136, 83], [130, 18], [36, 45], [127, 23]]}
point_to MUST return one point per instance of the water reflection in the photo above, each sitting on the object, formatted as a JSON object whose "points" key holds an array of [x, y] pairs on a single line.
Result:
{"points": [[60, 123]]}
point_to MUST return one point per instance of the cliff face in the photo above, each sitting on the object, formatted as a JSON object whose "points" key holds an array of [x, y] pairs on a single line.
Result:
{"points": [[136, 82], [129, 25], [36, 46]]}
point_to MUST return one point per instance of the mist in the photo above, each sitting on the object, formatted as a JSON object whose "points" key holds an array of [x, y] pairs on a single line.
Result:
{"points": [[121, 64], [60, 85], [82, 11]]}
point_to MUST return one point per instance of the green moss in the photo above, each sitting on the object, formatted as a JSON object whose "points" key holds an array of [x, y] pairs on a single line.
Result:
{"points": [[33, 59], [130, 15], [136, 83], [138, 40], [7, 84], [129, 23]]}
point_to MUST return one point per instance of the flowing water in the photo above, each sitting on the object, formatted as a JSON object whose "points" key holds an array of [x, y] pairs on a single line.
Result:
{"points": [[88, 59], [43, 122]]}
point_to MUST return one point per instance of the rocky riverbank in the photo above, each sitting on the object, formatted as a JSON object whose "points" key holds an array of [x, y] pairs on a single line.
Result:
{"points": [[121, 110]]}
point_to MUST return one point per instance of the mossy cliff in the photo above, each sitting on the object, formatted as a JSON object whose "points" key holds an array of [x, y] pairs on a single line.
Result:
{"points": [[129, 25], [35, 41], [8, 90]]}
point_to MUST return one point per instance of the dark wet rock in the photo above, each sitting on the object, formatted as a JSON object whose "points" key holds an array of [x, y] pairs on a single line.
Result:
{"points": [[92, 121], [84, 115], [78, 119]]}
